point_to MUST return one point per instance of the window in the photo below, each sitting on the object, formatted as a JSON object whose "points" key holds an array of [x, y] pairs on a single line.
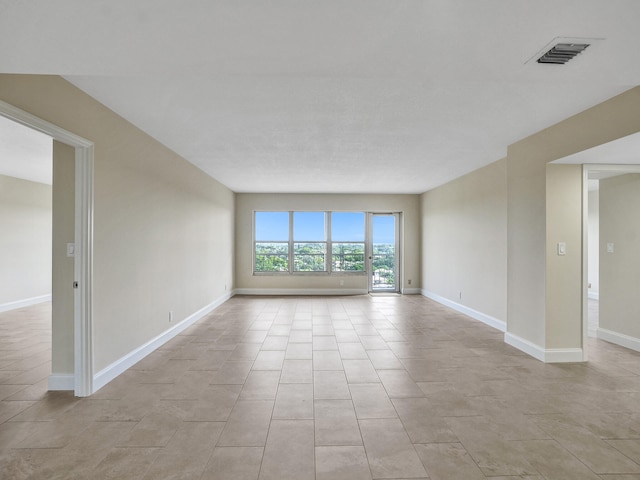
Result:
{"points": [[347, 242], [299, 242], [272, 242], [309, 242]]}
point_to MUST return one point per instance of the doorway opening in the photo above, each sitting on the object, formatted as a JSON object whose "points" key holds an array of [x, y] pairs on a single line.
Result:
{"points": [[25, 258], [81, 379], [383, 240], [610, 203]]}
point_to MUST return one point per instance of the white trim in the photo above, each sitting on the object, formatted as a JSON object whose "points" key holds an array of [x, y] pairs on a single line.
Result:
{"points": [[621, 339], [107, 374], [563, 355], [399, 250], [482, 317], [411, 291], [594, 295], [549, 355], [300, 291], [83, 259], [31, 121], [83, 273], [27, 302], [61, 382], [584, 274], [525, 346]]}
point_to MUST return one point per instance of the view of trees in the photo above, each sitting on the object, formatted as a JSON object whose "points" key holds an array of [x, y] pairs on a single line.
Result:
{"points": [[383, 265], [347, 257], [272, 257], [311, 257]]}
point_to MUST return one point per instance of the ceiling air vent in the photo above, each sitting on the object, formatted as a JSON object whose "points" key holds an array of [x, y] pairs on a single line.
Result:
{"points": [[562, 53]]}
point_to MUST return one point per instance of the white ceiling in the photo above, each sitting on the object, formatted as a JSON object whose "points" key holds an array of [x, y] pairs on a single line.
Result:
{"points": [[25, 153], [330, 96]]}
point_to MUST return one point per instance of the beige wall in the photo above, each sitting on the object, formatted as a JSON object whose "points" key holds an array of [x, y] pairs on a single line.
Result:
{"points": [[542, 205], [247, 203], [63, 274], [464, 241], [620, 270], [528, 208], [25, 240], [163, 229], [563, 312], [594, 243]]}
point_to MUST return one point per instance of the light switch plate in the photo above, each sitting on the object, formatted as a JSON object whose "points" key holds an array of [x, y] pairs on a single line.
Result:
{"points": [[562, 248], [610, 248], [71, 249]]}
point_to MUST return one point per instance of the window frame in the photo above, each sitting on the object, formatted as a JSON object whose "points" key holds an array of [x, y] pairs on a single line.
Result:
{"points": [[328, 243]]}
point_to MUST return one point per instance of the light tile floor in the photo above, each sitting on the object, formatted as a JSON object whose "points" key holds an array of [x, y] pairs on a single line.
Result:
{"points": [[324, 388]]}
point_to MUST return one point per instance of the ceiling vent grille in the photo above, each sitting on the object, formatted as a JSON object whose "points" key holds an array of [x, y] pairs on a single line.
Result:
{"points": [[562, 53]]}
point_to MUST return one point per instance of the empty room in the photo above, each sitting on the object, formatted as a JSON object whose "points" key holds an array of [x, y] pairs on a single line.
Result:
{"points": [[321, 240]]}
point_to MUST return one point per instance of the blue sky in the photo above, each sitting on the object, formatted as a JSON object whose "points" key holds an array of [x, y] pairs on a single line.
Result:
{"points": [[272, 226], [309, 226], [384, 230], [347, 226]]}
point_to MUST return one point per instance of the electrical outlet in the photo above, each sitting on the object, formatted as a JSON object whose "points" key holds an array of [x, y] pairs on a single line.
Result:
{"points": [[409, 281], [342, 283]]}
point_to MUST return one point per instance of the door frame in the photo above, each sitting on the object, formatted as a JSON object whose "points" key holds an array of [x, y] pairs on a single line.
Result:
{"points": [[83, 258], [369, 251]]}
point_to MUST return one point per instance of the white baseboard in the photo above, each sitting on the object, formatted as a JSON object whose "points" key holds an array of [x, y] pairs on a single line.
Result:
{"points": [[62, 382], [563, 355], [411, 291], [107, 374], [536, 351], [27, 302], [484, 318], [619, 339], [300, 291], [549, 355], [594, 295]]}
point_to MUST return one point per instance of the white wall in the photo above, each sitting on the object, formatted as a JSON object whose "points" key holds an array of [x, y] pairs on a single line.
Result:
{"points": [[620, 270], [593, 255], [25, 241], [247, 203], [464, 241]]}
